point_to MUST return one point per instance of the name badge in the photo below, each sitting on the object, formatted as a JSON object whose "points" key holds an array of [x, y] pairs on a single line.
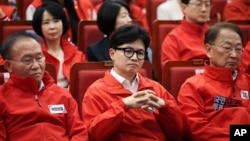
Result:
{"points": [[57, 109], [244, 94]]}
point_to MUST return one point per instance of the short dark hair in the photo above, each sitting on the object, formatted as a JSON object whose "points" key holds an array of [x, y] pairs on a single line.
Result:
{"points": [[54, 9], [185, 1], [9, 41], [107, 14], [212, 33], [127, 34]]}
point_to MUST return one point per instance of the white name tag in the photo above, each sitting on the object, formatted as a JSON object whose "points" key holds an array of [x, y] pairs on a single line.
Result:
{"points": [[57, 109]]}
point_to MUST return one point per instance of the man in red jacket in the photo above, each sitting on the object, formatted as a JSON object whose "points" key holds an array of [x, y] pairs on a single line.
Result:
{"points": [[219, 97], [33, 107], [125, 106]]}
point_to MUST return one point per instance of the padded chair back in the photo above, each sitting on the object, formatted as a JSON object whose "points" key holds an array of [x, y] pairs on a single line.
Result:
{"points": [[9, 27], [52, 71], [88, 33], [22, 5], [176, 72], [83, 74], [95, 2], [160, 29], [151, 6]]}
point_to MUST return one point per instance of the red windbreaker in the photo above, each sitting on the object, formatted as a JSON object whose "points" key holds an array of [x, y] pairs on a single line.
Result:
{"points": [[109, 119], [71, 56], [185, 42], [23, 118], [213, 101]]}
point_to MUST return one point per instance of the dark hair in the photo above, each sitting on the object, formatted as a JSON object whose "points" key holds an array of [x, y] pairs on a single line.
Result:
{"points": [[127, 34], [55, 9], [185, 1], [107, 14], [9, 41], [212, 33]]}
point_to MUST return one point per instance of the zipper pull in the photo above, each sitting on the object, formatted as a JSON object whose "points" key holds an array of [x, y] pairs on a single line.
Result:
{"points": [[37, 100]]}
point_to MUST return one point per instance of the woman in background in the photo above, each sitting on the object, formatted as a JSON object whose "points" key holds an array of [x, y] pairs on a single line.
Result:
{"points": [[50, 22]]}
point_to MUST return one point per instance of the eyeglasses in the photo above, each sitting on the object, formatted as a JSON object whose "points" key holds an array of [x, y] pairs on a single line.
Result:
{"points": [[201, 3], [129, 52], [238, 50], [30, 60]]}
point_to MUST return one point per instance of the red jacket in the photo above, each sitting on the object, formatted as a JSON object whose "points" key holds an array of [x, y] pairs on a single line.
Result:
{"points": [[245, 58], [71, 56], [22, 119], [185, 42], [237, 10], [8, 11], [213, 101], [109, 119]]}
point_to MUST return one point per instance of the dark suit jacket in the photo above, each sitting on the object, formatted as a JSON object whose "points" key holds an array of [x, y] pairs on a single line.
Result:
{"points": [[99, 51]]}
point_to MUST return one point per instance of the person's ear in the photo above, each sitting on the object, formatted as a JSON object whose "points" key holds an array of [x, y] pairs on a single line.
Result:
{"points": [[111, 53], [7, 65], [209, 50]]}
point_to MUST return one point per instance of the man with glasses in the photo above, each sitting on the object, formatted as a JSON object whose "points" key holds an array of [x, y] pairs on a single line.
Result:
{"points": [[185, 42], [219, 97], [33, 107], [125, 106]]}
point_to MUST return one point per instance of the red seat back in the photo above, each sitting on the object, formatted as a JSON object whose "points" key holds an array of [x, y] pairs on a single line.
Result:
{"points": [[22, 5], [9, 27], [151, 6], [160, 29], [176, 72]]}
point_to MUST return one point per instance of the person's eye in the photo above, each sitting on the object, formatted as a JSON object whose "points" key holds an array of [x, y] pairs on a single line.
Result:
{"points": [[129, 51]]}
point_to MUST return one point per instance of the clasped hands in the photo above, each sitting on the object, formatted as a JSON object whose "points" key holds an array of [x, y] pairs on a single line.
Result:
{"points": [[145, 99]]}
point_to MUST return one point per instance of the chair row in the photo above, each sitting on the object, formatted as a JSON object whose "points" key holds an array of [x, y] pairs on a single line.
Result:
{"points": [[88, 32]]}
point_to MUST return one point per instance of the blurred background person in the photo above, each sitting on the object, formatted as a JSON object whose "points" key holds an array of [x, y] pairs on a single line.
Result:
{"points": [[50, 22]]}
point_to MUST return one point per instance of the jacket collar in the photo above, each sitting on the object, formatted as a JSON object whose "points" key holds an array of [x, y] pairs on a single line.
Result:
{"points": [[192, 28]]}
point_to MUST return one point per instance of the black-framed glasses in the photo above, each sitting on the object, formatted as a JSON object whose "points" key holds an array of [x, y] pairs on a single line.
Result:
{"points": [[129, 52]]}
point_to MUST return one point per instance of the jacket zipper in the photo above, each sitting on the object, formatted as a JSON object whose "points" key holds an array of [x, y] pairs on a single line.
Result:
{"points": [[37, 100]]}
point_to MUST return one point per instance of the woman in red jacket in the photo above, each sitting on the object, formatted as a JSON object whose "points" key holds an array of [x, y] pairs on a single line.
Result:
{"points": [[50, 22]]}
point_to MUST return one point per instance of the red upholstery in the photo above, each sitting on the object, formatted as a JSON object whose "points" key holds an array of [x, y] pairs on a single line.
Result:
{"points": [[88, 33], [218, 8], [9, 27], [52, 71], [82, 75], [22, 5], [4, 2], [160, 29], [176, 72], [151, 6], [245, 29]]}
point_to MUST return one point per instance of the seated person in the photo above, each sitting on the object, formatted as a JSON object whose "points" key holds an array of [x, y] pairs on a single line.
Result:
{"points": [[185, 42], [237, 10], [50, 22], [33, 107], [169, 10], [126, 104], [76, 10], [219, 97], [135, 12], [111, 15], [244, 65]]}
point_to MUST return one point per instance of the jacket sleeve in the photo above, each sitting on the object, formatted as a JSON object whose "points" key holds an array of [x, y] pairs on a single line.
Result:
{"points": [[77, 130], [101, 123], [2, 130], [232, 12], [173, 122], [191, 103], [169, 48]]}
